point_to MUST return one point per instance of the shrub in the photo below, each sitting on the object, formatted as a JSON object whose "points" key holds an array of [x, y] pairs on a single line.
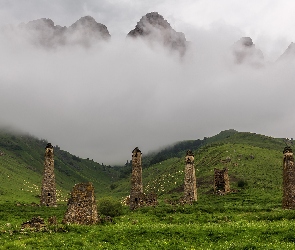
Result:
{"points": [[242, 183], [108, 206], [113, 186]]}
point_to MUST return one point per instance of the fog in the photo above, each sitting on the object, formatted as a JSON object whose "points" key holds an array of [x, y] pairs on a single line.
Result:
{"points": [[103, 101]]}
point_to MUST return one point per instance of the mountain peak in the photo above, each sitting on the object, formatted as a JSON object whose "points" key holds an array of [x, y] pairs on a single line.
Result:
{"points": [[289, 52], [154, 27], [40, 24], [88, 25], [147, 22], [244, 51], [83, 32], [246, 41]]}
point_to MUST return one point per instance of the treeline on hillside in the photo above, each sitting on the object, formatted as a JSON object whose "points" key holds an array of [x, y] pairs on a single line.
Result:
{"points": [[178, 150]]}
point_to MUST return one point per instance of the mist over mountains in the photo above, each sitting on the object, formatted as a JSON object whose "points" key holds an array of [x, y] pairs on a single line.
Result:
{"points": [[83, 32], [152, 27], [99, 97]]}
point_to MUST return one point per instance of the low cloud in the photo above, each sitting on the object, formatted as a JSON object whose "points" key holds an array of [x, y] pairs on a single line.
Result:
{"points": [[104, 100]]}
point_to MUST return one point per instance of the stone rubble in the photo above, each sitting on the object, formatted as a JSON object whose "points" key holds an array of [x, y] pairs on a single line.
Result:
{"points": [[35, 223]]}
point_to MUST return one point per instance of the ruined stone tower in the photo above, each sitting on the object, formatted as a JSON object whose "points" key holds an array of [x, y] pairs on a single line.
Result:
{"points": [[288, 179], [82, 207], [136, 194], [48, 191], [190, 183], [221, 181]]}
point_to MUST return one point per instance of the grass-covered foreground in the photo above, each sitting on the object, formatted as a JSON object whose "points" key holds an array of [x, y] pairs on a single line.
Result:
{"points": [[249, 218], [214, 222]]}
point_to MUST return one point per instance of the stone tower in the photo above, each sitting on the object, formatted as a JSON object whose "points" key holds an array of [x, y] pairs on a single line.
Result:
{"points": [[48, 191], [221, 181], [82, 207], [288, 179], [136, 194], [190, 183]]}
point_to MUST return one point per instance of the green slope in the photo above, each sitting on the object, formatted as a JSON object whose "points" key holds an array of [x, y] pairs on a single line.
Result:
{"points": [[179, 148], [255, 168], [251, 218], [21, 169]]}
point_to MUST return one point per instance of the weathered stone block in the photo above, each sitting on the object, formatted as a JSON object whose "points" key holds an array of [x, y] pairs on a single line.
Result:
{"points": [[82, 208], [35, 223], [221, 181]]}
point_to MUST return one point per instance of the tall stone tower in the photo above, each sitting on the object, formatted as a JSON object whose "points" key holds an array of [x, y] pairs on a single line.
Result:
{"points": [[190, 183], [221, 181], [136, 194], [48, 191], [288, 179]]}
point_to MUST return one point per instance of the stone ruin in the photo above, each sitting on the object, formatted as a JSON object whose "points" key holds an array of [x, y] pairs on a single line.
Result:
{"points": [[137, 197], [82, 207], [151, 199], [288, 179], [190, 183], [36, 223], [48, 190], [221, 181], [136, 179], [52, 220]]}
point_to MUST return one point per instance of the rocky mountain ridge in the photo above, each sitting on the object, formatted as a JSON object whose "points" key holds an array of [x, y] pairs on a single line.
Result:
{"points": [[244, 51], [152, 28], [289, 52], [83, 32]]}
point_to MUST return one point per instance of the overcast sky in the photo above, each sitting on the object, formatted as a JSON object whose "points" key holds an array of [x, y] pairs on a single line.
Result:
{"points": [[103, 101]]}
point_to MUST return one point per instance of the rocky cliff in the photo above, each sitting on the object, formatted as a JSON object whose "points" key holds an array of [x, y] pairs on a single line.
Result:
{"points": [[154, 28], [84, 32], [244, 51], [289, 53]]}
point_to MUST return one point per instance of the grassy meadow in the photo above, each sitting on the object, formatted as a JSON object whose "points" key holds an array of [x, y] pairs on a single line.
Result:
{"points": [[250, 217], [213, 222]]}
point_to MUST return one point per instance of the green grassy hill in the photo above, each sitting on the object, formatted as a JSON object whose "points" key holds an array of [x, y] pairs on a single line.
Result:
{"points": [[249, 218], [179, 148], [22, 164], [255, 167]]}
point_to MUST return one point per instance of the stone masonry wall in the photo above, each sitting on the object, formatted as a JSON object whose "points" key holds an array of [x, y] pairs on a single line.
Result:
{"points": [[221, 181], [288, 179], [190, 183], [137, 197], [48, 190], [136, 193], [82, 207]]}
